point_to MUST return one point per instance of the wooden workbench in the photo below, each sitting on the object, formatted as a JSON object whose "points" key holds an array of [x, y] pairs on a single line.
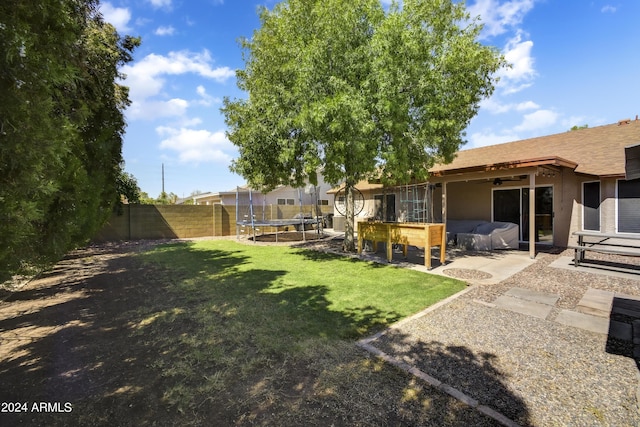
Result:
{"points": [[425, 235]]}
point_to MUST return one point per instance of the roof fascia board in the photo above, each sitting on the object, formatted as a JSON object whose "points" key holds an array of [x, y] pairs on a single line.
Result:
{"points": [[541, 161]]}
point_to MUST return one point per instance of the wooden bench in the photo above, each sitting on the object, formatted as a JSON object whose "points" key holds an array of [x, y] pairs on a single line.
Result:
{"points": [[607, 243]]}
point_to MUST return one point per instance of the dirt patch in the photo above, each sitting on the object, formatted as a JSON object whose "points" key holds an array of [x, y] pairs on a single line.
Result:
{"points": [[67, 342]]}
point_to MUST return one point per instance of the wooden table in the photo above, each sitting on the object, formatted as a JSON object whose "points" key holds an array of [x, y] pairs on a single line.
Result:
{"points": [[424, 235], [609, 243]]}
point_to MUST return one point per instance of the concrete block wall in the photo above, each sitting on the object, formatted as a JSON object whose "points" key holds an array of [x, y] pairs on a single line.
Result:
{"points": [[185, 221], [117, 228], [224, 220], [171, 221], [158, 222]]}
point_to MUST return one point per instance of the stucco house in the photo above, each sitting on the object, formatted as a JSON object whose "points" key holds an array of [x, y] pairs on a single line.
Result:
{"points": [[549, 186], [283, 195]]}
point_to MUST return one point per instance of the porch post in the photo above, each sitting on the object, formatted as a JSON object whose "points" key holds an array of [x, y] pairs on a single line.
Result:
{"points": [[444, 202], [532, 215]]}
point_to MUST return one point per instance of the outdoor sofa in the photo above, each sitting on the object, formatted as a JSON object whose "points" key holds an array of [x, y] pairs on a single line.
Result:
{"points": [[490, 236], [457, 226]]}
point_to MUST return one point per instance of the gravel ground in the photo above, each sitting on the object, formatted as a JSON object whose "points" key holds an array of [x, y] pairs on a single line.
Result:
{"points": [[536, 372], [533, 371]]}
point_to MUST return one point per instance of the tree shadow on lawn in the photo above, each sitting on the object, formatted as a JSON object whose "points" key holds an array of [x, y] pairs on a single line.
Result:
{"points": [[320, 256], [132, 342]]}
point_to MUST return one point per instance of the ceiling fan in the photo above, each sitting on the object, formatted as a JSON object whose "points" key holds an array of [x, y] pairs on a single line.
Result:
{"points": [[499, 181]]}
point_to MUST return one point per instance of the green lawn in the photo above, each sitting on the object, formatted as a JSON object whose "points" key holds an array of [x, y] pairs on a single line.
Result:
{"points": [[242, 311]]}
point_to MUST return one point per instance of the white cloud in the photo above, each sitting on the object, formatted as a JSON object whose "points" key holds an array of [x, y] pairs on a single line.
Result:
{"points": [[155, 109], [537, 120], [527, 105], [165, 31], [498, 17], [482, 139], [176, 63], [190, 122], [141, 22], [205, 98], [160, 3], [519, 76], [608, 9], [196, 146], [119, 17], [495, 107], [147, 78]]}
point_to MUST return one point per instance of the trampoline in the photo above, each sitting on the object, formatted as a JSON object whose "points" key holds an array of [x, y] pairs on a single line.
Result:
{"points": [[249, 219], [279, 223]]}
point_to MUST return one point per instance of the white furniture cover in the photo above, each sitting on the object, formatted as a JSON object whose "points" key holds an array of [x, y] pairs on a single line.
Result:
{"points": [[490, 236]]}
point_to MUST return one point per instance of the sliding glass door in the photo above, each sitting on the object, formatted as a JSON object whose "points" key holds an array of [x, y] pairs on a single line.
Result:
{"points": [[512, 205]]}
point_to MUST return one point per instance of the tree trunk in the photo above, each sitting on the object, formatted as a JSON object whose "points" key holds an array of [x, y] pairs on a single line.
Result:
{"points": [[349, 244]]}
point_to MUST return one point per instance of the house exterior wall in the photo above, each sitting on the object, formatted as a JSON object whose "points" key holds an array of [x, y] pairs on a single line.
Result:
{"points": [[608, 206], [473, 200], [206, 199], [469, 200], [227, 199], [608, 213], [270, 199], [567, 191]]}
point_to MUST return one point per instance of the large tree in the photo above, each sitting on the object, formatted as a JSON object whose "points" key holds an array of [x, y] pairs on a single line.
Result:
{"points": [[345, 87], [61, 126]]}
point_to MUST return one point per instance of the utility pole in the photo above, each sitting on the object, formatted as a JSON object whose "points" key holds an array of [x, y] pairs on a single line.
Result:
{"points": [[163, 178]]}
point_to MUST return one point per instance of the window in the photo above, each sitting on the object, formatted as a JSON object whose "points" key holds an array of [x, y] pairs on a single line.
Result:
{"points": [[323, 202], [290, 202], [286, 202], [591, 206], [629, 206]]}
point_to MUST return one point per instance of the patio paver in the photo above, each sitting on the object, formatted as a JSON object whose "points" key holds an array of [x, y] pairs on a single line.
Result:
{"points": [[531, 295], [584, 321], [596, 302], [522, 306]]}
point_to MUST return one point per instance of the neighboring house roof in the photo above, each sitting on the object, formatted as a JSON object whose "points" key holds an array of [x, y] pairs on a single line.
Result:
{"points": [[200, 196], [363, 185], [595, 151]]}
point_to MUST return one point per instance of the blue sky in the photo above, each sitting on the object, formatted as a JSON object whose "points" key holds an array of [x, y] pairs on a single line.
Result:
{"points": [[575, 62]]}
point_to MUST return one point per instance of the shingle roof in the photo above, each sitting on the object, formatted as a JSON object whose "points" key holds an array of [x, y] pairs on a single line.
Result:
{"points": [[596, 151]]}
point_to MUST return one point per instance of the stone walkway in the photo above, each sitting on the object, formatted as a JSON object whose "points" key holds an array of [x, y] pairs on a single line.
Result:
{"points": [[596, 311]]}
